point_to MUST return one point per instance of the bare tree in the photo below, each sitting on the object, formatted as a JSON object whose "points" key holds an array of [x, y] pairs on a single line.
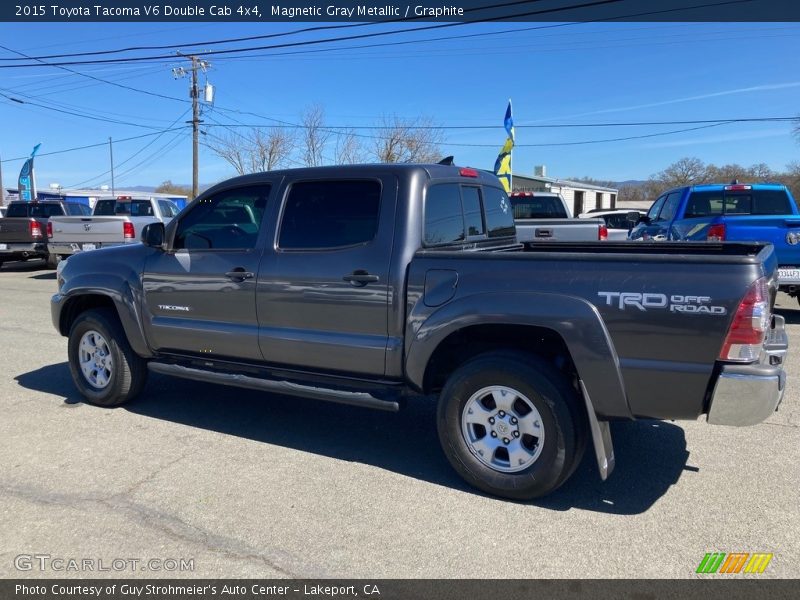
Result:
{"points": [[270, 150], [231, 148], [315, 136], [408, 140], [348, 149], [261, 150]]}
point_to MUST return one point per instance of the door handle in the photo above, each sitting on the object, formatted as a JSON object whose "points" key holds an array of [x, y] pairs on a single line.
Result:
{"points": [[239, 274], [361, 278]]}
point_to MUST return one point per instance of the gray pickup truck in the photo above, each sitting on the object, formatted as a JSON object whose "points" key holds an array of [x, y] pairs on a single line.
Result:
{"points": [[24, 229], [543, 217], [368, 284]]}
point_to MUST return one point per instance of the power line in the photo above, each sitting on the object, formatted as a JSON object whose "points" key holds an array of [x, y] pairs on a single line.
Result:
{"points": [[586, 142], [341, 38], [73, 71], [135, 154], [334, 128], [396, 31], [87, 146], [253, 37], [75, 114]]}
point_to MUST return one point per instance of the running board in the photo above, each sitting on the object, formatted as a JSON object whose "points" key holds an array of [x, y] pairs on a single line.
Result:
{"points": [[278, 387]]}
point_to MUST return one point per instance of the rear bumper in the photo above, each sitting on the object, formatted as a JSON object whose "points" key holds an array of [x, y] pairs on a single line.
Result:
{"points": [[25, 250], [748, 394], [67, 248]]}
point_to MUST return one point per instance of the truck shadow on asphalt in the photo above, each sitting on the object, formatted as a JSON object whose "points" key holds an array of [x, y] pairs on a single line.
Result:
{"points": [[651, 455]]}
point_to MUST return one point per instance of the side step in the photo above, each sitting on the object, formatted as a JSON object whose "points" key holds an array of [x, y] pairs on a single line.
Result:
{"points": [[278, 387]]}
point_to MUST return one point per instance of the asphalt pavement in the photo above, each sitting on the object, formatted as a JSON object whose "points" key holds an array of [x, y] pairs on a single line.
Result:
{"points": [[198, 480]]}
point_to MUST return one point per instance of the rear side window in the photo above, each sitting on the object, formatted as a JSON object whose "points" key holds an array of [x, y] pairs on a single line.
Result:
{"points": [[499, 216], [444, 220], [330, 214], [17, 210], [538, 207]]}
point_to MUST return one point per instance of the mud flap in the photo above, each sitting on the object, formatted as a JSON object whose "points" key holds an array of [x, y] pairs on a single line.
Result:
{"points": [[601, 438]]}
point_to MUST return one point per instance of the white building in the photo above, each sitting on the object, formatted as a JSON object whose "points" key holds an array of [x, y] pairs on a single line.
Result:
{"points": [[581, 197]]}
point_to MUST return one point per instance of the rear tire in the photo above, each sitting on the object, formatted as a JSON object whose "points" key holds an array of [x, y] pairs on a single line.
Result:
{"points": [[103, 365], [511, 425]]}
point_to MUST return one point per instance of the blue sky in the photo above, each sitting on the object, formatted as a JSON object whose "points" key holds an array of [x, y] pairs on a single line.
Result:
{"points": [[579, 73]]}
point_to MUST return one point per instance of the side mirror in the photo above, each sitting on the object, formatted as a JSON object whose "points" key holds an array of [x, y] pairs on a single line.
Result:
{"points": [[153, 235]]}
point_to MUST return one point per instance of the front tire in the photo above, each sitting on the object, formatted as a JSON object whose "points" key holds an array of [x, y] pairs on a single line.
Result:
{"points": [[511, 425], [103, 365]]}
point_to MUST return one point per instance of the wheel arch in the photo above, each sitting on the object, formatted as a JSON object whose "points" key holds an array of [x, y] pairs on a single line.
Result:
{"points": [[121, 300], [564, 328]]}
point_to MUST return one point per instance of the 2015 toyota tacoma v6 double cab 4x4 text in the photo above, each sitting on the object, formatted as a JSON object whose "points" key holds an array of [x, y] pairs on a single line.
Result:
{"points": [[367, 284]]}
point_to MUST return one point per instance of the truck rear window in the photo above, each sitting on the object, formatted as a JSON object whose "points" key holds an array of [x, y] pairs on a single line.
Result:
{"points": [[735, 202], [132, 208], [542, 207], [34, 209]]}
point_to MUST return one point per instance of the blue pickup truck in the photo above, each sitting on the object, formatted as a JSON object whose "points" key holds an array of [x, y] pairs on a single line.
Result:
{"points": [[735, 212]]}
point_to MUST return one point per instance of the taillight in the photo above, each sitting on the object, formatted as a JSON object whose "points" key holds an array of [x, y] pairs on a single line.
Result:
{"points": [[35, 228], [749, 326], [49, 229], [716, 233], [467, 172], [602, 233], [128, 232]]}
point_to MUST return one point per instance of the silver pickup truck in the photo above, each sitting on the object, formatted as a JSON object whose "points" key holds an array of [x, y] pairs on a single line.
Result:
{"points": [[114, 222], [545, 217]]}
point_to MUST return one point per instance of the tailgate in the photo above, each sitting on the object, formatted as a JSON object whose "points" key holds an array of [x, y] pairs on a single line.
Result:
{"points": [[783, 232], [88, 229], [558, 230], [16, 230]]}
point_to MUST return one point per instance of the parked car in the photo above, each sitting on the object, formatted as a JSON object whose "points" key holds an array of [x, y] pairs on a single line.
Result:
{"points": [[113, 222], [731, 212], [24, 228], [619, 221], [545, 217], [368, 284]]}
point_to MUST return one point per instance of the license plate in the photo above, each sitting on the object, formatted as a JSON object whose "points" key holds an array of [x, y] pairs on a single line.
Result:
{"points": [[788, 274], [89, 247], [3, 246]]}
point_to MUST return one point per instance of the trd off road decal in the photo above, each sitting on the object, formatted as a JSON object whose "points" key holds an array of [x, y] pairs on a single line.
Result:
{"points": [[676, 303]]}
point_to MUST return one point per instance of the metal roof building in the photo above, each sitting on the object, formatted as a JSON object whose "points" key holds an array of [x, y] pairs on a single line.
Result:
{"points": [[580, 196]]}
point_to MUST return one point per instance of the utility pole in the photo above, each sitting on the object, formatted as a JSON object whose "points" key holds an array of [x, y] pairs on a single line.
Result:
{"points": [[194, 93], [2, 189], [195, 128], [111, 154]]}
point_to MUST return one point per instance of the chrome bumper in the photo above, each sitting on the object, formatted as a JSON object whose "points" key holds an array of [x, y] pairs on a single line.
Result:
{"points": [[748, 394]]}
